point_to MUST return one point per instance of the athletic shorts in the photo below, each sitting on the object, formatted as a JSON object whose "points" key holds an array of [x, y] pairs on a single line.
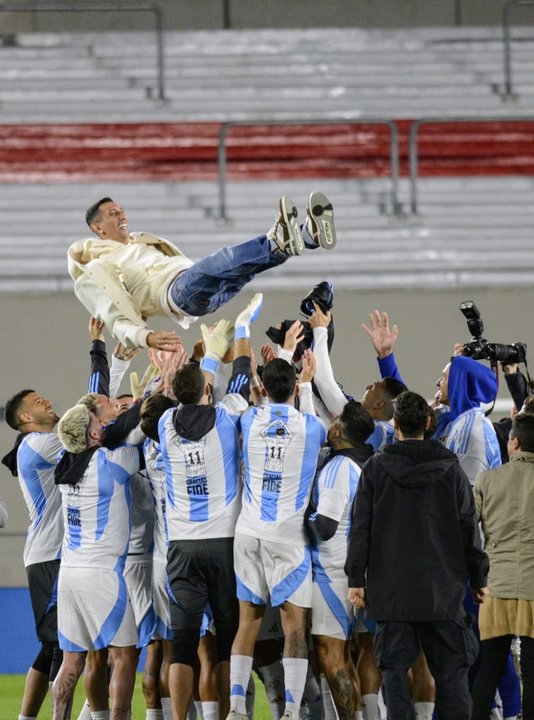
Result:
{"points": [[202, 572], [265, 569], [94, 610], [160, 599], [365, 625], [332, 613], [138, 577], [42, 584]]}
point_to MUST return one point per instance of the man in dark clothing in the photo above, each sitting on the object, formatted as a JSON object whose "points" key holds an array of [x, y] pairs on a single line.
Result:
{"points": [[413, 544]]}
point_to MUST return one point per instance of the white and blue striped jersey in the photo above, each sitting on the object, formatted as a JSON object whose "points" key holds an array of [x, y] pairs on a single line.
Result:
{"points": [[383, 434], [155, 469], [280, 450], [203, 476], [472, 437], [96, 511], [37, 458], [333, 494]]}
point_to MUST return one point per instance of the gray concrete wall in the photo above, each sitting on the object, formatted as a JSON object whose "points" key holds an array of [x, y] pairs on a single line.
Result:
{"points": [[237, 14], [45, 346]]}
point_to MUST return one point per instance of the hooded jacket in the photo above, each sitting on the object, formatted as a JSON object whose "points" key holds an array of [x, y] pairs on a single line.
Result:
{"points": [[464, 429], [414, 539]]}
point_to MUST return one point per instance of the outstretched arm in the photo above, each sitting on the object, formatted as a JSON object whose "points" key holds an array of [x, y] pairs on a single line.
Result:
{"points": [[383, 339], [99, 377], [330, 392]]}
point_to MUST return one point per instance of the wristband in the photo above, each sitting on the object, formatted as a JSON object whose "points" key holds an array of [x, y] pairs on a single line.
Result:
{"points": [[209, 364]]}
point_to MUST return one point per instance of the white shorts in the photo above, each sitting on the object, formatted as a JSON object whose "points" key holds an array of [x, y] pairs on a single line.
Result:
{"points": [[271, 625], [138, 577], [332, 613], [160, 599], [265, 569], [94, 610]]}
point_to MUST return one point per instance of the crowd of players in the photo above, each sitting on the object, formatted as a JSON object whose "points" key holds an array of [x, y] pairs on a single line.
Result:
{"points": [[202, 516]]}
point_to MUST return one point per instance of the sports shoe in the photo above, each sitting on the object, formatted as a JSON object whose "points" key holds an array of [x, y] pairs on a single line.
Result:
{"points": [[322, 294], [285, 235], [320, 220], [234, 715]]}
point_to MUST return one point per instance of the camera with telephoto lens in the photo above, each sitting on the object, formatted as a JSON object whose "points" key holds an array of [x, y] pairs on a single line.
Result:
{"points": [[480, 349]]}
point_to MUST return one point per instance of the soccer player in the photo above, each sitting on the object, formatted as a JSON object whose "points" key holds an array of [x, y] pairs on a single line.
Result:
{"points": [[94, 485], [272, 555], [33, 460], [200, 450]]}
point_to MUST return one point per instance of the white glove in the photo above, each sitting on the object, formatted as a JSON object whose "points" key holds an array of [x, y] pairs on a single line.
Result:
{"points": [[216, 344]]}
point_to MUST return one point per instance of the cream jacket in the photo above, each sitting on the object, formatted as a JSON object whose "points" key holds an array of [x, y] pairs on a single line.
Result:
{"points": [[505, 507], [124, 284]]}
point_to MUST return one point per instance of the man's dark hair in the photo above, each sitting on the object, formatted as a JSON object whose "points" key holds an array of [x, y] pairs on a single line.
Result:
{"points": [[151, 411], [523, 430], [279, 380], [12, 408], [93, 213], [355, 422], [528, 405], [411, 413], [188, 384], [393, 387]]}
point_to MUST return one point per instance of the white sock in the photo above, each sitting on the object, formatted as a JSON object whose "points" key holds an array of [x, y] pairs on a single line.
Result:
{"points": [[99, 714], [26, 717], [295, 670], [240, 667], [153, 714], [370, 707], [210, 709], [85, 712], [423, 710], [166, 708], [251, 698], [273, 680], [328, 704], [358, 715], [312, 696]]}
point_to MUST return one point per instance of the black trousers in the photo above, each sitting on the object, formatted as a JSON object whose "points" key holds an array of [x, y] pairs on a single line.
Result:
{"points": [[493, 656], [450, 647]]}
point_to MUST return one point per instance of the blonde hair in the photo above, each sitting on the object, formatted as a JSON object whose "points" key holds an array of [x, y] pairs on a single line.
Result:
{"points": [[89, 401], [72, 428]]}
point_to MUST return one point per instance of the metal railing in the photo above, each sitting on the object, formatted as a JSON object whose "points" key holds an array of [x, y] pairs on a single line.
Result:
{"points": [[414, 133], [394, 152], [507, 42], [151, 8]]}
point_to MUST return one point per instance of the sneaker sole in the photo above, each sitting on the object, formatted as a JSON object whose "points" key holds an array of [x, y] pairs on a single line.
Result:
{"points": [[322, 213], [289, 213]]}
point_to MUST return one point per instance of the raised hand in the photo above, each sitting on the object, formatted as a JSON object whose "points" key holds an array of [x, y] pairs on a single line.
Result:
{"points": [[309, 366], [96, 329], [382, 336], [293, 337], [318, 318], [163, 340]]}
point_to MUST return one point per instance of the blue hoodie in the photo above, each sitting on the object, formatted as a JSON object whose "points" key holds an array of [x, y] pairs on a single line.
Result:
{"points": [[463, 428]]}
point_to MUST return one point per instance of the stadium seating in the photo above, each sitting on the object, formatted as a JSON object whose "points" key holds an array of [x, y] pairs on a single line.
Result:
{"points": [[81, 118]]}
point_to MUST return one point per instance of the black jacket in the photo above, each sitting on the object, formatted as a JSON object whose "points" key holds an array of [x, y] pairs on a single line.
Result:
{"points": [[414, 538]]}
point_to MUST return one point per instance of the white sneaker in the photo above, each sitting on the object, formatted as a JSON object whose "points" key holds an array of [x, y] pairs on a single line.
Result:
{"points": [[234, 715], [285, 235], [320, 220]]}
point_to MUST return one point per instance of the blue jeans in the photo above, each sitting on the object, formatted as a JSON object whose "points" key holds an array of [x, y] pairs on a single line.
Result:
{"points": [[216, 279]]}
